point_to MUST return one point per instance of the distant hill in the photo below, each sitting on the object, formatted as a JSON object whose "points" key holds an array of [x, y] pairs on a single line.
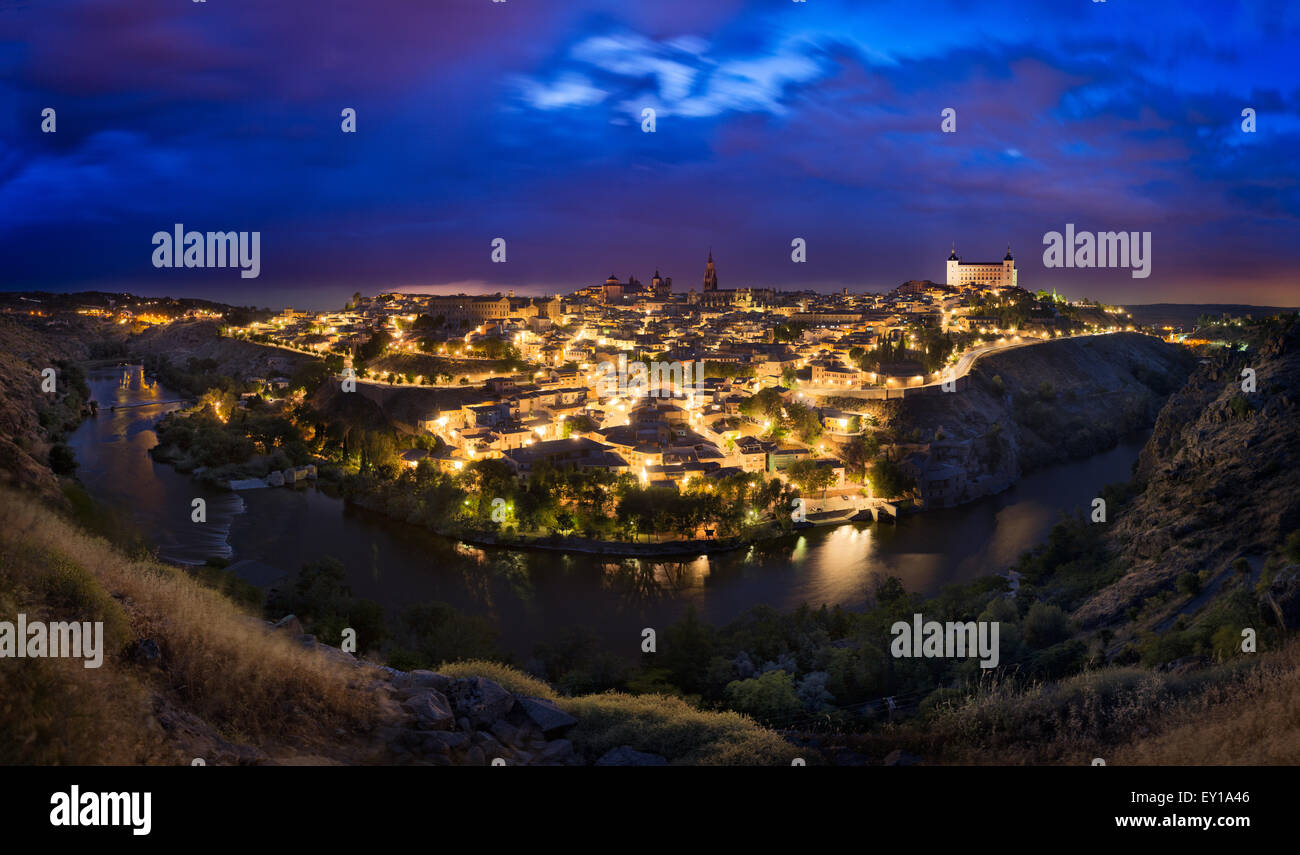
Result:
{"points": [[1185, 314]]}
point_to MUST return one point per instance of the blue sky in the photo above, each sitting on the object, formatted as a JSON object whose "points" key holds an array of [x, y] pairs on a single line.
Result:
{"points": [[774, 120]]}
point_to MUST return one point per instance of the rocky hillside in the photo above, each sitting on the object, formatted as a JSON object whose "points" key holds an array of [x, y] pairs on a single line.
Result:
{"points": [[1041, 404], [1218, 479], [186, 673], [374, 406], [201, 340], [31, 420]]}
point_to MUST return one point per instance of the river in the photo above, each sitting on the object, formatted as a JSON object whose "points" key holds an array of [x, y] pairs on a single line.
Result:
{"points": [[532, 595]]}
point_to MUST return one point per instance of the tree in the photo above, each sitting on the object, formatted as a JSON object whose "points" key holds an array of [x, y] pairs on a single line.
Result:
{"points": [[804, 422], [859, 452], [766, 404], [688, 645], [770, 698], [375, 347], [888, 479], [810, 476]]}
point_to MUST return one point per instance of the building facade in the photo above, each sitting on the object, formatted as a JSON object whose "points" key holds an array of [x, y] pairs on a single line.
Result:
{"points": [[985, 275]]}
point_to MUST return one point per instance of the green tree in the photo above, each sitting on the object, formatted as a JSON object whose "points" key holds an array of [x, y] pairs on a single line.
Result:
{"points": [[770, 698]]}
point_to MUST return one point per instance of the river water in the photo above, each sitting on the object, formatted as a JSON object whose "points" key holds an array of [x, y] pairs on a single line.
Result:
{"points": [[531, 595]]}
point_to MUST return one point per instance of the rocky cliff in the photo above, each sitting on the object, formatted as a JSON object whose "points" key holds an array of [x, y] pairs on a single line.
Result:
{"points": [[31, 420], [1218, 477], [1037, 405], [182, 341]]}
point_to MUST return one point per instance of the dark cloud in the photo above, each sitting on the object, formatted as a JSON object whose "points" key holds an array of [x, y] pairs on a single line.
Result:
{"points": [[522, 120]]}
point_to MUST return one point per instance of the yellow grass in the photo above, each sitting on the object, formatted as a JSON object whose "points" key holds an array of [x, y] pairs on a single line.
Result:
{"points": [[1253, 722], [218, 663], [672, 728], [511, 679]]}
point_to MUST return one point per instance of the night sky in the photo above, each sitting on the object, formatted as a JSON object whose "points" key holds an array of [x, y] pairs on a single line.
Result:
{"points": [[522, 120]]}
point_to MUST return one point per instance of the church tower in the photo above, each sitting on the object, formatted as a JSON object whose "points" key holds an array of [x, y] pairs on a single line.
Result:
{"points": [[710, 275]]}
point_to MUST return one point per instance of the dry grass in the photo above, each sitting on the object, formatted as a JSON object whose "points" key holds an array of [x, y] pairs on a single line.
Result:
{"points": [[1243, 711], [57, 712], [1252, 722], [672, 728], [511, 679], [218, 663]]}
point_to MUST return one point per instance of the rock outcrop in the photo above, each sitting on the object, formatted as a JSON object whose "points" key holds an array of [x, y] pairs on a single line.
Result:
{"points": [[1034, 406], [1218, 478], [473, 721]]}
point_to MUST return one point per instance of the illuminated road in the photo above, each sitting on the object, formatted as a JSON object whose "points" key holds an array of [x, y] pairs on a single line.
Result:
{"points": [[960, 368]]}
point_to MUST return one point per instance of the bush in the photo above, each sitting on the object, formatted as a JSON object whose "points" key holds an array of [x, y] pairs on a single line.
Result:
{"points": [[1189, 583], [1045, 625], [770, 698], [435, 632], [1291, 548], [674, 729], [888, 479], [63, 460]]}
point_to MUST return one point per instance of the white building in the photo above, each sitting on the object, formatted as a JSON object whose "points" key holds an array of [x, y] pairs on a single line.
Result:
{"points": [[987, 275]]}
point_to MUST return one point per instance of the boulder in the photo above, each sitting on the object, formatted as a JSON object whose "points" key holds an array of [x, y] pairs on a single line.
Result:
{"points": [[148, 654], [549, 718], [450, 739], [1282, 599], [430, 680], [432, 745], [480, 700], [626, 755], [431, 710], [290, 623], [559, 751], [486, 741], [504, 731]]}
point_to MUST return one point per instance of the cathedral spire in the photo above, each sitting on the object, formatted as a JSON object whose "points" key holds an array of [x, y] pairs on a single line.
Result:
{"points": [[710, 274]]}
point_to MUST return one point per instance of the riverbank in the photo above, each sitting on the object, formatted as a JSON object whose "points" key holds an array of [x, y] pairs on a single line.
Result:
{"points": [[529, 593]]}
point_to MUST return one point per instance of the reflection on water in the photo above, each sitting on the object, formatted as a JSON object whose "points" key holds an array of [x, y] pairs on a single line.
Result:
{"points": [[114, 464], [532, 595]]}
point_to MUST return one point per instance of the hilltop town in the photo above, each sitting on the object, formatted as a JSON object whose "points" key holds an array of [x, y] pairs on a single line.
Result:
{"points": [[733, 381]]}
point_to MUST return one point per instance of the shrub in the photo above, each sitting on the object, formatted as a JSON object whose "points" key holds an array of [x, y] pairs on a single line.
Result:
{"points": [[1045, 625], [770, 698], [511, 679], [674, 729]]}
